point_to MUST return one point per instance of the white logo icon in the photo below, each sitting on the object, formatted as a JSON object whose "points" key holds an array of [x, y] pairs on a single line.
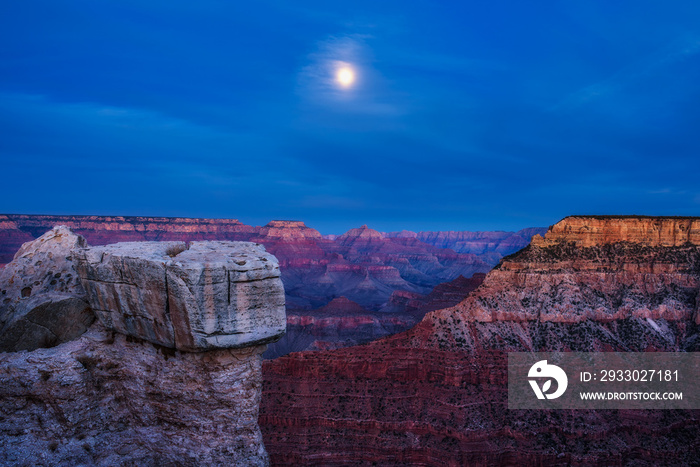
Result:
{"points": [[542, 370]]}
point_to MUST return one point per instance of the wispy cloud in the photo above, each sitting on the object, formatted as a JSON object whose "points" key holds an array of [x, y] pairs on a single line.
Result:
{"points": [[369, 95], [630, 74], [119, 145]]}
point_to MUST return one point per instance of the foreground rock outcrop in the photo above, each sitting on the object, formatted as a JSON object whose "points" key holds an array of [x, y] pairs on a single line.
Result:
{"points": [[201, 296], [42, 302], [437, 394], [126, 392]]}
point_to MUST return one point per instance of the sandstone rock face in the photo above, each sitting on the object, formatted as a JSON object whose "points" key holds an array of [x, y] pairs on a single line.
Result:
{"points": [[437, 394], [42, 302], [108, 399], [105, 399], [211, 295], [556, 281], [589, 231], [364, 235]]}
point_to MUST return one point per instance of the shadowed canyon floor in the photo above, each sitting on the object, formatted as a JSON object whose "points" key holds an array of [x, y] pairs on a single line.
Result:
{"points": [[436, 394], [343, 323]]}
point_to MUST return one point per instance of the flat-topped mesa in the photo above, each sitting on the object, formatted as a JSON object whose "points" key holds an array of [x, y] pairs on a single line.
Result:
{"points": [[212, 295], [288, 230], [587, 231]]}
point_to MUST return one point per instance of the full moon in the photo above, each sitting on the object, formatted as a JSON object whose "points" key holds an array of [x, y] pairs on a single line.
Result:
{"points": [[345, 77]]}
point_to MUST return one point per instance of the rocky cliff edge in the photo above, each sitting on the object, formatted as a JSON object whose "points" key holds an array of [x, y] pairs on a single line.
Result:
{"points": [[170, 374]]}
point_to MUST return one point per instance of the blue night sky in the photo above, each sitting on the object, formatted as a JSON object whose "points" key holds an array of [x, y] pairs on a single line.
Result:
{"points": [[462, 115]]}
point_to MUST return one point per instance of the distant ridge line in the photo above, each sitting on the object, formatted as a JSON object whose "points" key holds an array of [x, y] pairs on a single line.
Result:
{"points": [[120, 216]]}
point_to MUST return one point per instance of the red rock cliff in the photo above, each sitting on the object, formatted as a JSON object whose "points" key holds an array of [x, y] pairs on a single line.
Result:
{"points": [[589, 231]]}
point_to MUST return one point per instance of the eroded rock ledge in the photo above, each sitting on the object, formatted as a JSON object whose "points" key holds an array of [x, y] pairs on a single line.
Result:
{"points": [[208, 295]]}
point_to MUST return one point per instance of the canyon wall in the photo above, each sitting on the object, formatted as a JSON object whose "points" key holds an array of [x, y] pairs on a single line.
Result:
{"points": [[101, 230], [437, 394], [360, 265]]}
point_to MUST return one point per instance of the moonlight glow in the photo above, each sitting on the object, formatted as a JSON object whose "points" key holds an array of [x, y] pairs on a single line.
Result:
{"points": [[345, 76]]}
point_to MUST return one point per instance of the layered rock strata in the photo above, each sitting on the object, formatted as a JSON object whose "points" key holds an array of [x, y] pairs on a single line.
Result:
{"points": [[101, 230], [587, 231], [564, 283], [42, 302], [360, 265], [437, 394], [201, 296], [442, 296]]}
